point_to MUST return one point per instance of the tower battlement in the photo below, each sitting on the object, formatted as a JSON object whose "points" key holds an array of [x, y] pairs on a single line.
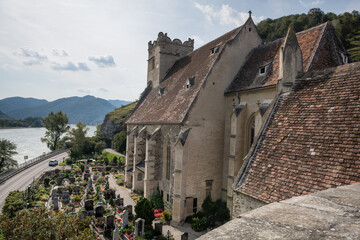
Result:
{"points": [[163, 38]]}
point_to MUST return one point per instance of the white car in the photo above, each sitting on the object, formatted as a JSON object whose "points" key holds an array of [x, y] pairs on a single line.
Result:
{"points": [[53, 163]]}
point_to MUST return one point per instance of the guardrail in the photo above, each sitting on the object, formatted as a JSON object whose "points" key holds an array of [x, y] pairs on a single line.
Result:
{"points": [[21, 167]]}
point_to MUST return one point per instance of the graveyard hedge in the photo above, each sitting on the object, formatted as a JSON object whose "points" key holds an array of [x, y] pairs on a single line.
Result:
{"points": [[13, 204]]}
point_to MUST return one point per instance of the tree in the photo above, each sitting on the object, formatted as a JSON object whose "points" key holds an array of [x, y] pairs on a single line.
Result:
{"points": [[7, 149], [144, 210], [78, 140], [119, 142], [56, 125]]}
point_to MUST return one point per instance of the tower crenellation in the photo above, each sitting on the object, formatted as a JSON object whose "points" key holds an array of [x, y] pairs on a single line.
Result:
{"points": [[163, 53]]}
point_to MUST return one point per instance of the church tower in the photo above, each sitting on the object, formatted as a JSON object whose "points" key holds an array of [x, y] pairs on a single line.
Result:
{"points": [[162, 55]]}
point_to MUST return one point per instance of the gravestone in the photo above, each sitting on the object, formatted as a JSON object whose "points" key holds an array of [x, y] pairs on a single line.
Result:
{"points": [[56, 204], [72, 179], [89, 204], [129, 209], [57, 170], [62, 176], [59, 181], [158, 228], [46, 182], [95, 177], [116, 233], [83, 214], [90, 183], [125, 219], [110, 222], [139, 227], [53, 194], [65, 197], [118, 201], [77, 189], [68, 171], [99, 210], [184, 236]]}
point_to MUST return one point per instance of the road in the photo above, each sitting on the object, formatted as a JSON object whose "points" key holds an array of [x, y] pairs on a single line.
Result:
{"points": [[21, 180], [114, 152]]}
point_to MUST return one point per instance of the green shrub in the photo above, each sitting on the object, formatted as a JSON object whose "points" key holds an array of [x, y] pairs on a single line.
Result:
{"points": [[108, 168], [149, 234], [52, 182], [13, 203], [144, 210], [222, 212], [101, 180], [120, 182], [106, 160], [157, 201], [69, 161], [199, 224]]}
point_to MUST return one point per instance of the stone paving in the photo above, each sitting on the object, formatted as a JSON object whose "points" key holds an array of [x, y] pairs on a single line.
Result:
{"points": [[330, 214]]}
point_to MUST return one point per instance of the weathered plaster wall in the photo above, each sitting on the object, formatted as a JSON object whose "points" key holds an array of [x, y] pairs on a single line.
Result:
{"points": [[243, 204], [204, 160]]}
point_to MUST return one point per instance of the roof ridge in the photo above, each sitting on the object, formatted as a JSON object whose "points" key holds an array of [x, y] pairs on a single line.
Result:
{"points": [[317, 44]]}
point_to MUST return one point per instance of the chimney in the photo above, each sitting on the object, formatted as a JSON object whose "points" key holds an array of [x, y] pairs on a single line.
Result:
{"points": [[163, 53], [290, 62]]}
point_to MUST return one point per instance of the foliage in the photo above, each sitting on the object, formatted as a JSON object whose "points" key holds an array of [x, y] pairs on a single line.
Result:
{"points": [[347, 27], [7, 150], [167, 216], [99, 146], [78, 141], [199, 224], [56, 125], [120, 182], [13, 203], [121, 113], [42, 225], [157, 201], [143, 209], [119, 142], [27, 122]]}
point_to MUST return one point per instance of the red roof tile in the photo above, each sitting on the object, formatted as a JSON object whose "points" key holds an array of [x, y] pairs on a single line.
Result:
{"points": [[176, 100], [319, 40], [312, 141]]}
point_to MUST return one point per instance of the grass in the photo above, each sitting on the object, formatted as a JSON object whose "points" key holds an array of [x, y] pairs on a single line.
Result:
{"points": [[121, 113]]}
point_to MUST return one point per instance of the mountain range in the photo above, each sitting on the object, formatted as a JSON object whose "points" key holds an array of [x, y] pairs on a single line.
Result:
{"points": [[87, 109]]}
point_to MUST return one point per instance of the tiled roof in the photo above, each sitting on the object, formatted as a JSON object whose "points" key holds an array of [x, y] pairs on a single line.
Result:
{"points": [[312, 141], [176, 100], [313, 42]]}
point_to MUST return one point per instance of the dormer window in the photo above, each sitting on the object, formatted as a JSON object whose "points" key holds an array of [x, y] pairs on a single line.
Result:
{"points": [[190, 82], [215, 49], [344, 58], [262, 70], [161, 91]]}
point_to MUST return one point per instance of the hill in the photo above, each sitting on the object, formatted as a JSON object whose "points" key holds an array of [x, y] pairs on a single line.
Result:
{"points": [[4, 116], [118, 103], [347, 26], [88, 109], [16, 103]]}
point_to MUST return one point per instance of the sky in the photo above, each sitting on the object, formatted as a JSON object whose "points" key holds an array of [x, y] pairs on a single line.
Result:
{"points": [[54, 49]]}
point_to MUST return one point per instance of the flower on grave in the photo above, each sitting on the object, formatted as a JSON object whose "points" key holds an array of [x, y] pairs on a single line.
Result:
{"points": [[98, 227]]}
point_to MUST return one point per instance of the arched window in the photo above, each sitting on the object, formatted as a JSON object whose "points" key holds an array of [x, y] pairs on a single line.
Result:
{"points": [[168, 158], [251, 131]]}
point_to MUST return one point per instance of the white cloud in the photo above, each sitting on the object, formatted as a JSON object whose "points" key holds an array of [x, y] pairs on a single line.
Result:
{"points": [[226, 15], [198, 40], [34, 57], [103, 90], [311, 4], [59, 53], [81, 90], [103, 61], [70, 66]]}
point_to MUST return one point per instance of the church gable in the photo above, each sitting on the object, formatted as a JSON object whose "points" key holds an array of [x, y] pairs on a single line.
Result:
{"points": [[319, 46], [311, 142]]}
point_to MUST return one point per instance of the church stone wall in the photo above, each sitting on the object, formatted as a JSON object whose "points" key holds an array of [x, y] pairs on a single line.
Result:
{"points": [[243, 204]]}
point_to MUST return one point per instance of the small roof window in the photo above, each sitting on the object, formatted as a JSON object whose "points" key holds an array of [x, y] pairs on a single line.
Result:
{"points": [[215, 49], [190, 82], [161, 91], [262, 70]]}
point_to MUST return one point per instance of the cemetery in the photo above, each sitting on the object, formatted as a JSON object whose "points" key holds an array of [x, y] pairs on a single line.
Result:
{"points": [[83, 191]]}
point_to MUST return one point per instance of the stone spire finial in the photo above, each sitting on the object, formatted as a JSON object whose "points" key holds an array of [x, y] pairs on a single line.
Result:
{"points": [[250, 13]]}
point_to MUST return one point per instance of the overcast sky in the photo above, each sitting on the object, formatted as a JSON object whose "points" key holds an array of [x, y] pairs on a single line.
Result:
{"points": [[53, 49]]}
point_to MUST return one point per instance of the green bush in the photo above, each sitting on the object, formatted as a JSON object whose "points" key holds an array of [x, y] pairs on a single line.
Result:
{"points": [[13, 203], [157, 201], [199, 224], [144, 210], [149, 234], [108, 168], [52, 182], [69, 161], [120, 182]]}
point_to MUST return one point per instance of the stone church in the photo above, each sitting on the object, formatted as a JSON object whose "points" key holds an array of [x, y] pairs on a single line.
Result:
{"points": [[202, 111]]}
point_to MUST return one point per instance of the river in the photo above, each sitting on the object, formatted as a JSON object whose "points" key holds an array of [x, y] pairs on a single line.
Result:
{"points": [[28, 141]]}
